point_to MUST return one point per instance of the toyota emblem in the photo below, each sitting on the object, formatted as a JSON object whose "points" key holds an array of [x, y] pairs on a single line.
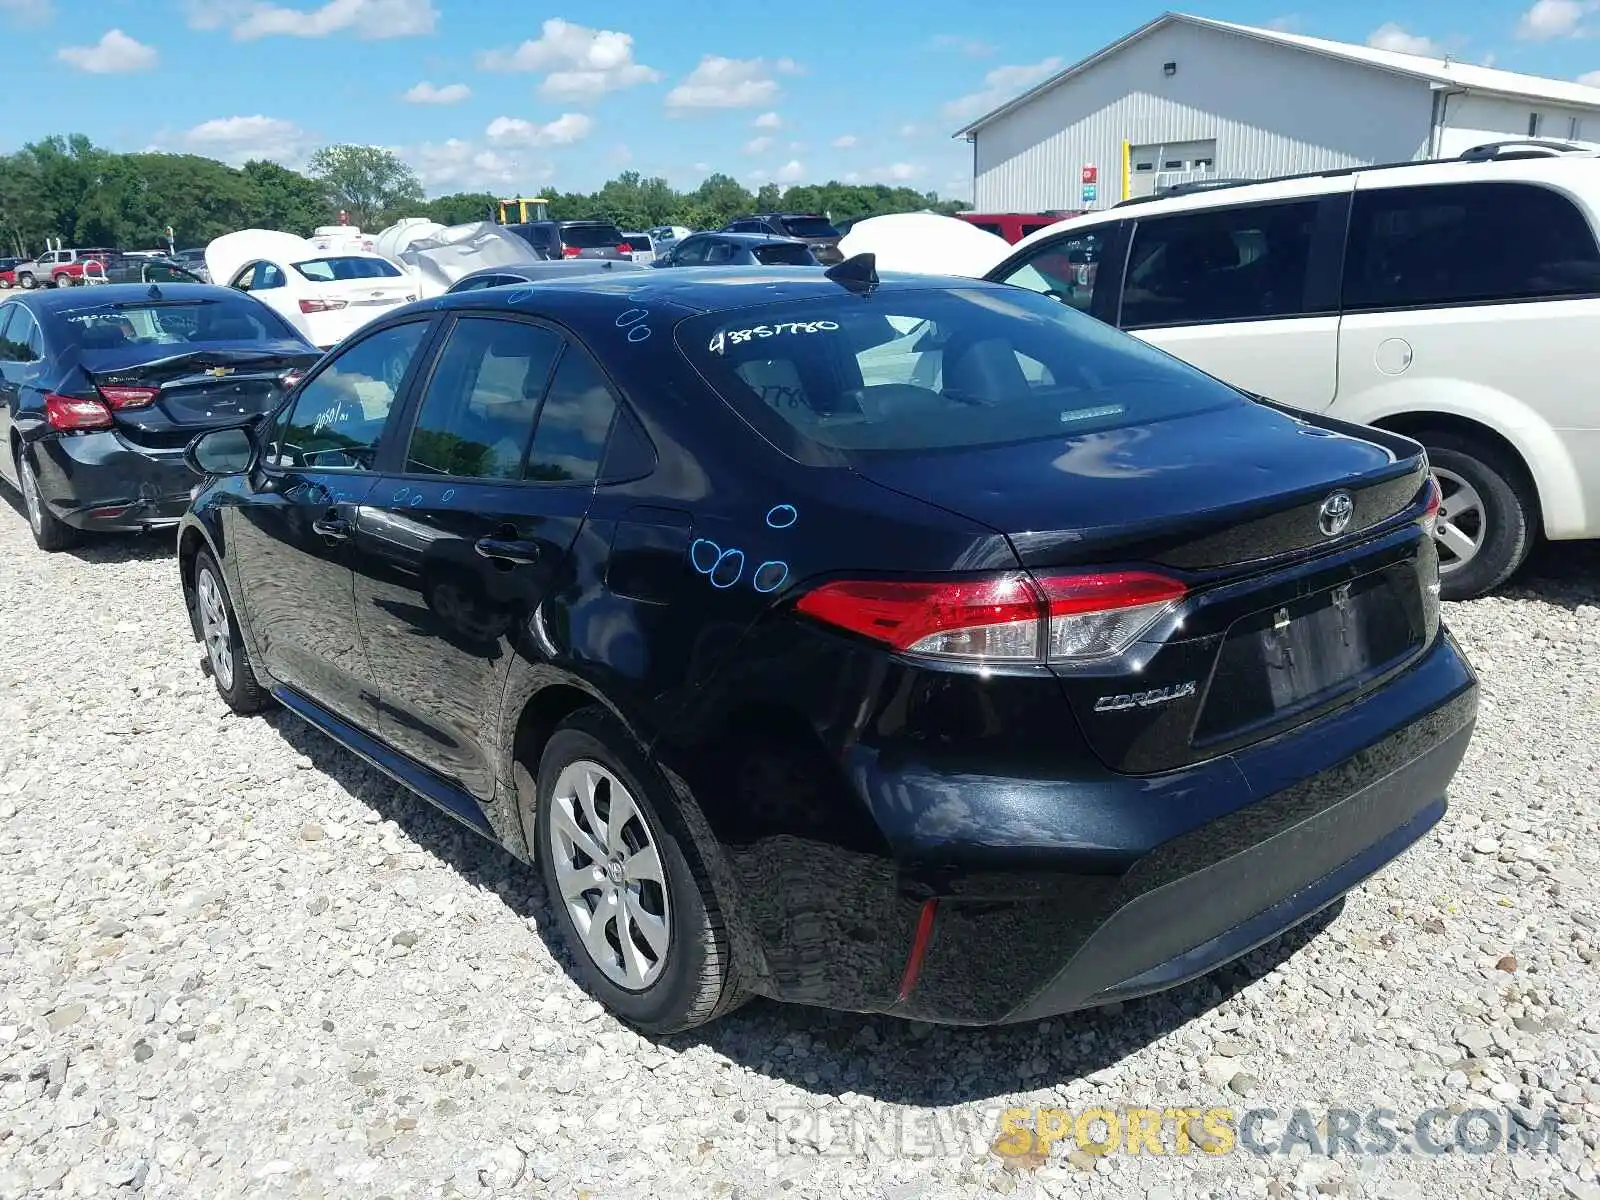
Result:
{"points": [[1333, 518]]}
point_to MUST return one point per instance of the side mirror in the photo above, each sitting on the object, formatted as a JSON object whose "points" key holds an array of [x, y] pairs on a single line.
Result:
{"points": [[229, 451]]}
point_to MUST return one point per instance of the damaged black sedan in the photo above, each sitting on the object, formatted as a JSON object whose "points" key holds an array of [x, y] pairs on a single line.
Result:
{"points": [[102, 388]]}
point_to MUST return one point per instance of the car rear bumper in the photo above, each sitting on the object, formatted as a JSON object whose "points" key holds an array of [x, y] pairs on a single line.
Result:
{"points": [[1154, 900], [99, 483]]}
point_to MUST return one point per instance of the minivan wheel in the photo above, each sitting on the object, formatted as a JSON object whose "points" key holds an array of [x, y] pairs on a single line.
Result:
{"points": [[1484, 531], [50, 532], [626, 883], [226, 654]]}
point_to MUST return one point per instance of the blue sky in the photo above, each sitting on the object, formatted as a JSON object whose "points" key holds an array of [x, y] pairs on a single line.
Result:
{"points": [[510, 97]]}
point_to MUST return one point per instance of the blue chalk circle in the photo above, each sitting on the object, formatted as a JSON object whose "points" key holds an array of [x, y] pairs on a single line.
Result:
{"points": [[416, 499], [638, 333], [781, 516], [704, 555], [518, 296], [729, 566], [770, 576], [400, 496], [632, 317], [449, 495]]}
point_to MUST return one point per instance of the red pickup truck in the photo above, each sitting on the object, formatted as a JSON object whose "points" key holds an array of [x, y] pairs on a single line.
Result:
{"points": [[1015, 226]]}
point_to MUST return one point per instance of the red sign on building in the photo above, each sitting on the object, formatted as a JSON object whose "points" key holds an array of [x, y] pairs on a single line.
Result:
{"points": [[1091, 173]]}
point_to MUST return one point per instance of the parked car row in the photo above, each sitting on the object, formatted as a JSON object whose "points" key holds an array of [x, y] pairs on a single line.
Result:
{"points": [[815, 632]]}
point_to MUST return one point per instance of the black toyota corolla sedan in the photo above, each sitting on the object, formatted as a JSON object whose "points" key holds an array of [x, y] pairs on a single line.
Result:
{"points": [[904, 644], [102, 388]]}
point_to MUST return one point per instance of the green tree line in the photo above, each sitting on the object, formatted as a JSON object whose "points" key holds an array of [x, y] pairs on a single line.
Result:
{"points": [[67, 187]]}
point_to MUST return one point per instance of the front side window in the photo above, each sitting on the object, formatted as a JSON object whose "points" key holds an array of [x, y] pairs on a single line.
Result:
{"points": [[478, 412], [1466, 243], [1064, 270], [720, 252], [267, 276], [692, 251], [338, 417], [570, 439], [937, 368], [1230, 264]]}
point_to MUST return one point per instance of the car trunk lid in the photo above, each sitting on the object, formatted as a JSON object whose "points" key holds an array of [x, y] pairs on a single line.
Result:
{"points": [[1309, 579], [164, 402]]}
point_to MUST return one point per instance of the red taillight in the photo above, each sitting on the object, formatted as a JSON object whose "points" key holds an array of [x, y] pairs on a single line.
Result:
{"points": [[316, 306], [129, 397], [1012, 617], [75, 412], [625, 248], [1430, 514], [570, 252]]}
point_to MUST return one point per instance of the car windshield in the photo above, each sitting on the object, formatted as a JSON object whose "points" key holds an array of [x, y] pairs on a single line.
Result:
{"points": [[103, 327], [326, 270], [591, 237], [937, 369], [810, 227], [783, 254]]}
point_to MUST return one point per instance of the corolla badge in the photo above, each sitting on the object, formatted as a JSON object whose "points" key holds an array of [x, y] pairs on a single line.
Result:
{"points": [[1160, 695], [1333, 518]]}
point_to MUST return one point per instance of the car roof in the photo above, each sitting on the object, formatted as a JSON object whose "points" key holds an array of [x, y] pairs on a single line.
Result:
{"points": [[707, 289], [538, 269], [61, 299], [765, 239]]}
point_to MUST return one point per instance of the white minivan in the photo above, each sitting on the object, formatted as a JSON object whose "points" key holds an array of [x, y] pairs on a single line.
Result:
{"points": [[1450, 301]]}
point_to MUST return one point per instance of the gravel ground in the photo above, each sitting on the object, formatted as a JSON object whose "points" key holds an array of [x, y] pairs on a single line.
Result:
{"points": [[237, 962]]}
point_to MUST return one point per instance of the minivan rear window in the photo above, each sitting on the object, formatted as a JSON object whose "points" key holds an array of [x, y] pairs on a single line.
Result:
{"points": [[810, 227], [592, 237], [920, 370], [784, 254]]}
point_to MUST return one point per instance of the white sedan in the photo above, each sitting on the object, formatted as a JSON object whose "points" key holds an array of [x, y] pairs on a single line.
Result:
{"points": [[326, 294]]}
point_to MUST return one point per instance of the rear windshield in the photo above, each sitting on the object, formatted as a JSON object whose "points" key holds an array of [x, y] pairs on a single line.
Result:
{"points": [[638, 241], [784, 254], [591, 237], [810, 227], [101, 327], [326, 270], [938, 369]]}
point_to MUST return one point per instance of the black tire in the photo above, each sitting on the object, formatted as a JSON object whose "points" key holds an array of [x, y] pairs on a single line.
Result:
{"points": [[236, 682], [697, 981], [50, 532], [26, 281], [63, 280], [1508, 514]]}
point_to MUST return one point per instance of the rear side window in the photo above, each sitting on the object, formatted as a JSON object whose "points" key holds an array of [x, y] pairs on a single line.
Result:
{"points": [[941, 368], [477, 415], [326, 270], [570, 439], [1465, 243], [784, 254], [20, 339], [591, 237], [1232, 264]]}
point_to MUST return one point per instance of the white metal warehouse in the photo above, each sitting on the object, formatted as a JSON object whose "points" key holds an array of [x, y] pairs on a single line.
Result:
{"points": [[1185, 97]]}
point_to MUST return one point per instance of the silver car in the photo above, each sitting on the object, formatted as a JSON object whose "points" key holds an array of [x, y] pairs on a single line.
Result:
{"points": [[533, 272]]}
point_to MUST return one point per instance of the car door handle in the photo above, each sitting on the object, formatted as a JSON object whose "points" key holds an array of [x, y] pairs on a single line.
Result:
{"points": [[508, 550], [336, 528]]}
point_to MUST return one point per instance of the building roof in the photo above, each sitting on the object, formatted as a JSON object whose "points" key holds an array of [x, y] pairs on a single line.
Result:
{"points": [[1440, 72]]}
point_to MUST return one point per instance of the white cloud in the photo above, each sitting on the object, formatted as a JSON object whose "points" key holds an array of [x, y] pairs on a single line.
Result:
{"points": [[971, 47], [910, 131], [1000, 85], [28, 12], [371, 20], [757, 145], [114, 54], [768, 120], [563, 131], [844, 141], [239, 139], [790, 172], [579, 63], [1391, 36], [701, 168], [457, 165], [900, 172], [1549, 19], [851, 177], [427, 93], [719, 82], [1289, 23]]}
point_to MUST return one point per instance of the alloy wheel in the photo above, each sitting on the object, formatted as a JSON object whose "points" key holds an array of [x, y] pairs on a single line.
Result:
{"points": [[30, 494], [1462, 523], [215, 627], [610, 874]]}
